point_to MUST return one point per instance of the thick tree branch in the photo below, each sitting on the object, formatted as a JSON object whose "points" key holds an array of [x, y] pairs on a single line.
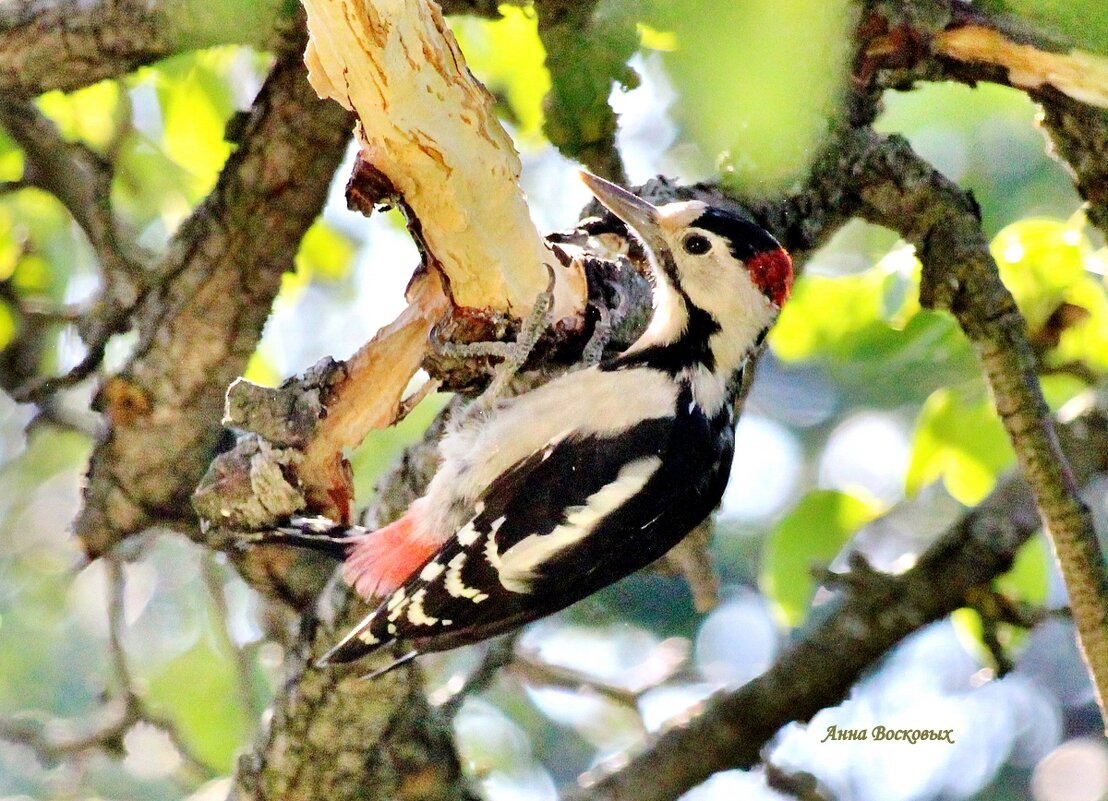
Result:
{"points": [[378, 740], [68, 44], [847, 637], [897, 47], [1079, 134], [199, 326]]}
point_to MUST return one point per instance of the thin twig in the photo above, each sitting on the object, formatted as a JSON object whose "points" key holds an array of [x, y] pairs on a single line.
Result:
{"points": [[137, 709], [212, 574], [500, 653]]}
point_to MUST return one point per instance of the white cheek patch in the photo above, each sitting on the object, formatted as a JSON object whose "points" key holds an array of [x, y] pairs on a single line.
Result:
{"points": [[517, 565]]}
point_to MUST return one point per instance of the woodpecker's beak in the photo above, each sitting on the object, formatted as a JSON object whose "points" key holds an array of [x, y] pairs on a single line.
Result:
{"points": [[634, 211]]}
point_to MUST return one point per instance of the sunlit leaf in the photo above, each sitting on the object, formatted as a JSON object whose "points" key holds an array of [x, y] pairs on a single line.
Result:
{"points": [[90, 115], [869, 332], [809, 536], [1025, 584], [961, 441], [196, 104], [1028, 580], [260, 370], [7, 325], [654, 39], [197, 690], [508, 57], [1039, 260], [758, 80], [1046, 263], [151, 186], [11, 159], [10, 249], [32, 273], [325, 253]]}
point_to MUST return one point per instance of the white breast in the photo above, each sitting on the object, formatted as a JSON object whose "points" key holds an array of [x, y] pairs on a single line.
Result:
{"points": [[579, 404]]}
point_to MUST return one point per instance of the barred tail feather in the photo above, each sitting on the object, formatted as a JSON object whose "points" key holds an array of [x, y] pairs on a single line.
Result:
{"points": [[315, 534]]}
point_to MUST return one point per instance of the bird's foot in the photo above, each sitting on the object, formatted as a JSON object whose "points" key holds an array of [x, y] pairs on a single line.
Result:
{"points": [[513, 355]]}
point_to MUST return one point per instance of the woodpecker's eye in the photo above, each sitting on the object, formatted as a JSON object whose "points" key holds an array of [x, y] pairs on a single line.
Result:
{"points": [[697, 245]]}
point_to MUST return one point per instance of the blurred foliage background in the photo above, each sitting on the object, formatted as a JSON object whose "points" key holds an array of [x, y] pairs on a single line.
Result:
{"points": [[869, 424]]}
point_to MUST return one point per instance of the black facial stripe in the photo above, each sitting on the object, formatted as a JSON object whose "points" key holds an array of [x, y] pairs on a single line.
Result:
{"points": [[745, 238], [692, 348]]}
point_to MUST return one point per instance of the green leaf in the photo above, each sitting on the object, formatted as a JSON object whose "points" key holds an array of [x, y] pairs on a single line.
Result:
{"points": [[1027, 583], [11, 159], [325, 253], [758, 80], [91, 115], [196, 101], [1081, 23], [7, 325], [868, 331], [1028, 580], [1039, 260], [260, 370], [197, 691], [1046, 263], [508, 57], [962, 441], [811, 535]]}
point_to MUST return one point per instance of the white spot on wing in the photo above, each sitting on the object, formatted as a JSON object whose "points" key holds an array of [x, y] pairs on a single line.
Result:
{"points": [[416, 615], [366, 635], [516, 565], [454, 584], [467, 535], [491, 554], [431, 571]]}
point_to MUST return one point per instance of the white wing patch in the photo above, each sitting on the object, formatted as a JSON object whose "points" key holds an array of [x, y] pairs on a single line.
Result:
{"points": [[516, 565]]}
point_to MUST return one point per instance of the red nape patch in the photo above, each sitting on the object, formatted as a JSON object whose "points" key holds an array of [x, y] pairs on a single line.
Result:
{"points": [[772, 271], [380, 562]]}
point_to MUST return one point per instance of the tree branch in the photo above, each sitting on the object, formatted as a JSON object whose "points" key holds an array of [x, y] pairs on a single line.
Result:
{"points": [[909, 196], [378, 740], [198, 327], [847, 637], [68, 44], [896, 48], [81, 180]]}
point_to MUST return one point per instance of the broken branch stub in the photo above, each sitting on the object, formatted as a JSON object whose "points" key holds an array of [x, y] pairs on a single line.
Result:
{"points": [[428, 125], [428, 132]]}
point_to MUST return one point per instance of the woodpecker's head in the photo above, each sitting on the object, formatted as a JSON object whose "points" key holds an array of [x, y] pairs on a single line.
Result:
{"points": [[720, 279]]}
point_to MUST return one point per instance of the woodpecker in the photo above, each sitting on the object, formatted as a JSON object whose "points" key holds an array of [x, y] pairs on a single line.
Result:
{"points": [[558, 492]]}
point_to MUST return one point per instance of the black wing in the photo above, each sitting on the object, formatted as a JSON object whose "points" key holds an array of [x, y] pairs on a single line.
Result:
{"points": [[543, 535]]}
